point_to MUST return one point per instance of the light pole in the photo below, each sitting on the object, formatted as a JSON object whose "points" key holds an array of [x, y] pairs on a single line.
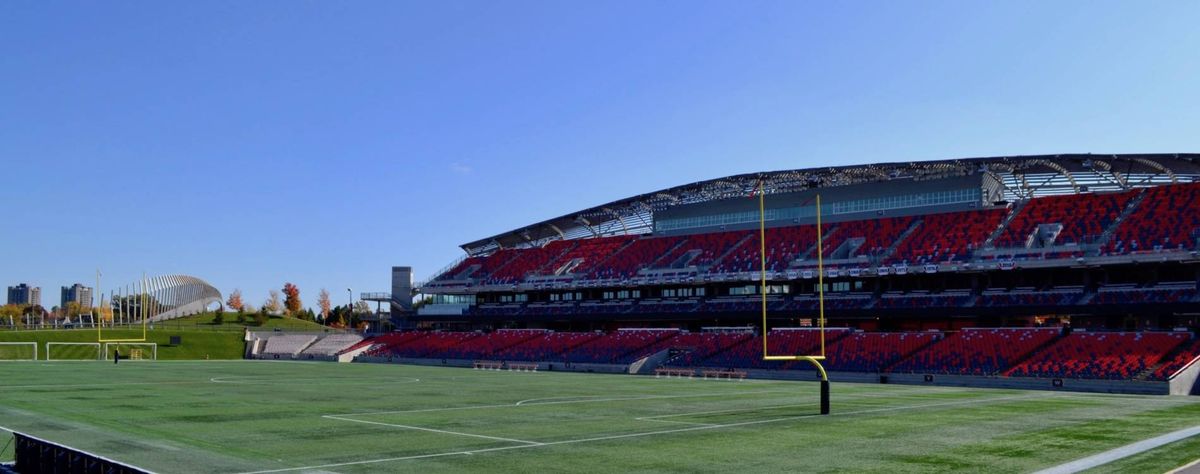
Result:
{"points": [[349, 306]]}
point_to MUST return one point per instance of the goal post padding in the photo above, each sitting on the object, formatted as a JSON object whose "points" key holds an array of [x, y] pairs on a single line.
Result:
{"points": [[14, 351], [132, 350], [73, 351]]}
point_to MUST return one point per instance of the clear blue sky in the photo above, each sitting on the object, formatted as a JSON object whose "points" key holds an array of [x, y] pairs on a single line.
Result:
{"points": [[253, 143]]}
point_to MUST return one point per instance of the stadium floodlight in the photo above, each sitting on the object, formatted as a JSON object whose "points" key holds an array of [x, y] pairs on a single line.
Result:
{"points": [[815, 360]]}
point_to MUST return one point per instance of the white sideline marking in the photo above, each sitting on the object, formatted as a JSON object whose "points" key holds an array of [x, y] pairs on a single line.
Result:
{"points": [[580, 397], [1185, 467], [433, 430], [1121, 452], [648, 433], [267, 380], [589, 400]]}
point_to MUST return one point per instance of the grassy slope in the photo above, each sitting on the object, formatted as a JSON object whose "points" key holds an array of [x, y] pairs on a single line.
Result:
{"points": [[195, 344], [205, 320], [248, 415], [201, 338]]}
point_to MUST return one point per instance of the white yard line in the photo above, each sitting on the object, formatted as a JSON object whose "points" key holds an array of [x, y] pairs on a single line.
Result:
{"points": [[526, 403], [433, 430], [649, 433], [1121, 452]]}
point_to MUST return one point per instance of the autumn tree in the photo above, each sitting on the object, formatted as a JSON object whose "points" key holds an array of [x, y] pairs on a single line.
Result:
{"points": [[324, 304], [272, 304], [292, 299], [235, 301]]}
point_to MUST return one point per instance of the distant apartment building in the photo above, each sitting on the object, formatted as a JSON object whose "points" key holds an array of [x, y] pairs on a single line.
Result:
{"points": [[24, 294], [77, 293]]}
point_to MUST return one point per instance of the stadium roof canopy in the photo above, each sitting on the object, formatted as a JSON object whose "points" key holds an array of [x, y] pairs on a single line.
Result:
{"points": [[1020, 177]]}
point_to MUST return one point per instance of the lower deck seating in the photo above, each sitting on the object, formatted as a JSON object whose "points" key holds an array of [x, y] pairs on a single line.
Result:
{"points": [[1186, 353], [618, 347], [288, 344], [333, 344], [977, 351], [1036, 352], [1119, 355], [875, 351]]}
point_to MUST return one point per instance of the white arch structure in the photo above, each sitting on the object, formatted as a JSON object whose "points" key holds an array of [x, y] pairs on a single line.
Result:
{"points": [[161, 298]]}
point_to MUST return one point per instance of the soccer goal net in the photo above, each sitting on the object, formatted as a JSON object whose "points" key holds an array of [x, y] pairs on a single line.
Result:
{"points": [[131, 350], [73, 351], [18, 351]]}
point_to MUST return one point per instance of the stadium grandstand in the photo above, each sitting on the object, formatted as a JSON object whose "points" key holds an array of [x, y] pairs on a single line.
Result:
{"points": [[1075, 266]]}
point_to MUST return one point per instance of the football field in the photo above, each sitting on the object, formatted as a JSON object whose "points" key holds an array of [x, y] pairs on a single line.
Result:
{"points": [[258, 416]]}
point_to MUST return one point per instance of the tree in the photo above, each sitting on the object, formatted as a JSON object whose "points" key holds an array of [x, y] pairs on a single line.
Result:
{"points": [[292, 299], [272, 304], [219, 317], [10, 314], [323, 303], [235, 300], [361, 307], [260, 318]]}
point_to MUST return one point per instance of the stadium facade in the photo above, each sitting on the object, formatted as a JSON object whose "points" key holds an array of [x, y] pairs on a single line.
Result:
{"points": [[1075, 272], [1090, 241]]}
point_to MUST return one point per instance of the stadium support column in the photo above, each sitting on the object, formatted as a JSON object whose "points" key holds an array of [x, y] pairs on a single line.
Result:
{"points": [[402, 287]]}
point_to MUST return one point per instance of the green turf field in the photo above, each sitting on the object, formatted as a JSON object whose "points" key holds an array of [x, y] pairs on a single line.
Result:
{"points": [[249, 416]]}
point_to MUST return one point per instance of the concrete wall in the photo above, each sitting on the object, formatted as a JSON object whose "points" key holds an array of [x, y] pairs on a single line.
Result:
{"points": [[1185, 382], [1020, 383]]}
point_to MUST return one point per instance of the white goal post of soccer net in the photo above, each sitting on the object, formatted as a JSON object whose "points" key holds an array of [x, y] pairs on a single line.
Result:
{"points": [[18, 351], [73, 351], [131, 350]]}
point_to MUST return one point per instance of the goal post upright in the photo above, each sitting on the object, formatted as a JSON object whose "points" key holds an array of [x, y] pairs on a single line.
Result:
{"points": [[762, 249]]}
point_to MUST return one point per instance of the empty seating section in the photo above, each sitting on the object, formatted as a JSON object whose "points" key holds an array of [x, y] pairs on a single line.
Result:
{"points": [[948, 237], [784, 245], [713, 246], [977, 351], [1083, 217], [877, 234], [637, 255], [381, 345], [432, 345], [619, 347], [1039, 352], [601, 252], [783, 342], [495, 261], [1145, 295], [549, 347], [1186, 353], [697, 348], [1030, 298], [1113, 355], [1167, 218], [589, 252], [944, 300], [487, 347], [333, 344], [528, 260], [461, 267], [874, 351], [288, 344]]}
